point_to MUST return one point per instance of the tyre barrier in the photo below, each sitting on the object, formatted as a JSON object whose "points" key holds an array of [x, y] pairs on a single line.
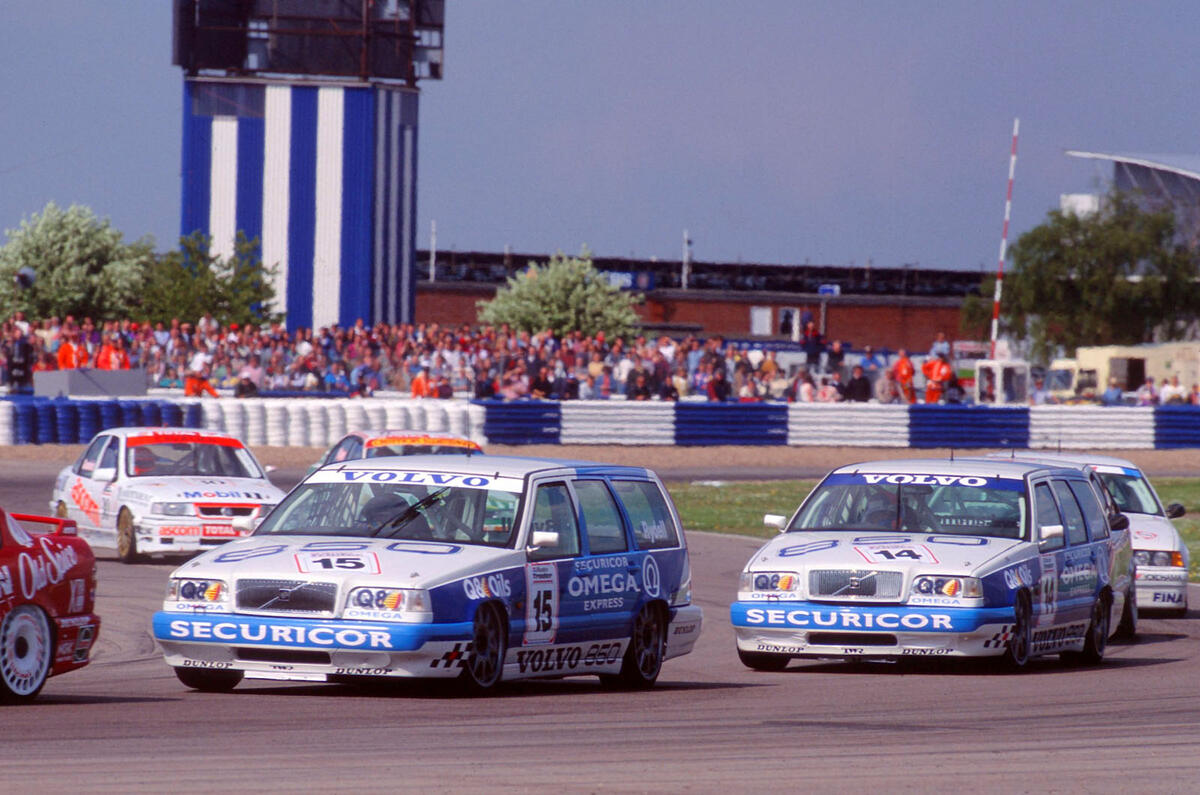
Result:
{"points": [[320, 422]]}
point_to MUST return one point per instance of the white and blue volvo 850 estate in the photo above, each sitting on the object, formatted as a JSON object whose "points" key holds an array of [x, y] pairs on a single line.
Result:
{"points": [[485, 568], [939, 558]]}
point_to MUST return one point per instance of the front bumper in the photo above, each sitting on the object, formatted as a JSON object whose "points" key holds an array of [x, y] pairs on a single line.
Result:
{"points": [[1161, 588], [164, 534], [293, 648], [823, 630]]}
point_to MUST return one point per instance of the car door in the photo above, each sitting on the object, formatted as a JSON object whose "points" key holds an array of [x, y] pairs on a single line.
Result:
{"points": [[1050, 536], [85, 493], [552, 546], [1117, 543], [1084, 561], [658, 553], [604, 589]]}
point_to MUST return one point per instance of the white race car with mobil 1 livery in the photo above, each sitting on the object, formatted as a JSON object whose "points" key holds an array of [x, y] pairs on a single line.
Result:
{"points": [[480, 568], [896, 559], [159, 490]]}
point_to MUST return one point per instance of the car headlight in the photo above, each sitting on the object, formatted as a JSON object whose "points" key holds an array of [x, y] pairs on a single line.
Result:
{"points": [[960, 587], [1144, 557], [181, 589], [171, 508], [389, 604], [769, 581]]}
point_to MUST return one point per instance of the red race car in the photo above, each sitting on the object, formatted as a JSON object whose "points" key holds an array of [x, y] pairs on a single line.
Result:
{"points": [[47, 595]]}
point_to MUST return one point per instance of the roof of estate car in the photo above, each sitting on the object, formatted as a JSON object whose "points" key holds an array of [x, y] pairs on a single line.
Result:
{"points": [[491, 465], [984, 467], [1068, 459], [149, 430]]}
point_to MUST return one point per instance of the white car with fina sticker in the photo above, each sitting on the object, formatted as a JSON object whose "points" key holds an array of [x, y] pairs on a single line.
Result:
{"points": [[928, 558], [1161, 556], [479, 568], [163, 490]]}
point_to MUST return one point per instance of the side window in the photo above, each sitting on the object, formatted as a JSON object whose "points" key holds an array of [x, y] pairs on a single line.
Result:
{"points": [[653, 526], [601, 518], [91, 457], [349, 449], [108, 459], [553, 512], [1097, 522], [1076, 527], [1047, 515]]}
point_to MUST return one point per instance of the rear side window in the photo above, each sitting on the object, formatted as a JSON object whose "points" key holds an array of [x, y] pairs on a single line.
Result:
{"points": [[653, 525], [1072, 514], [601, 517], [1046, 513], [1096, 520]]}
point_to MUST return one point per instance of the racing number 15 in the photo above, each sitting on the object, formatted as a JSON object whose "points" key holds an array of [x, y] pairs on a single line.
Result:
{"points": [[541, 607]]}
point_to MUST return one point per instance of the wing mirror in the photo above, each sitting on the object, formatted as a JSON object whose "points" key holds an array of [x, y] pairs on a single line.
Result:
{"points": [[243, 524], [1118, 522], [1051, 537], [1175, 510], [775, 520], [107, 474], [543, 539]]}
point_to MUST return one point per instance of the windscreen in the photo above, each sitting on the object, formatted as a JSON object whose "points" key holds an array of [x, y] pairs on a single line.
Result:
{"points": [[413, 511], [1129, 491], [166, 459], [945, 504]]}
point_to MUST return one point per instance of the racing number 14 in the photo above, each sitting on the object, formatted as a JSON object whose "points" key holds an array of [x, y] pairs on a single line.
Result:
{"points": [[911, 554]]}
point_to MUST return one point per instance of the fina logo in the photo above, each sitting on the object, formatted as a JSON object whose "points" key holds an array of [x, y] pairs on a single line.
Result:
{"points": [[651, 581]]}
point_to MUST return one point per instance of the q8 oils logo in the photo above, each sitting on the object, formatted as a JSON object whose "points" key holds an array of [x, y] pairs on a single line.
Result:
{"points": [[494, 585]]}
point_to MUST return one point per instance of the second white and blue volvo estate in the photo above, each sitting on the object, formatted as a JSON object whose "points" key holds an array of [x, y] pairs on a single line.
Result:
{"points": [[895, 559], [483, 568]]}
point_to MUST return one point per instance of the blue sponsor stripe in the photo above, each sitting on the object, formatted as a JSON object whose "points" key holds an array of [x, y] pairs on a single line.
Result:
{"points": [[862, 618], [302, 207], [358, 167], [197, 167], [330, 635], [251, 146]]}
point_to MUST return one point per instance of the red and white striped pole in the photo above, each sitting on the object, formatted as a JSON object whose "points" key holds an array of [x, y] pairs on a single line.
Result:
{"points": [[1012, 169]]}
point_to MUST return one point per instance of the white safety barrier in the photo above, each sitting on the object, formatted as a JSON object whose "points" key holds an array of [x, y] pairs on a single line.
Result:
{"points": [[847, 425], [256, 422], [624, 422], [1090, 428], [6, 422]]}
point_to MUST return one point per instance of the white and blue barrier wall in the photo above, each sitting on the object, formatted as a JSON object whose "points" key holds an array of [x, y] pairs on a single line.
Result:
{"points": [[317, 422]]}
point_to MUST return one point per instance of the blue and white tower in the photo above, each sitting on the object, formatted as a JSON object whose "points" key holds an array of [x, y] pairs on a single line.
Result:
{"points": [[300, 129]]}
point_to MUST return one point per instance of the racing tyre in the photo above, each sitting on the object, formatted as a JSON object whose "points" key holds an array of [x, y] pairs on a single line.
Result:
{"points": [[1096, 640], [1016, 654], [26, 649], [1127, 629], [208, 680], [761, 661], [646, 652], [126, 539], [489, 642]]}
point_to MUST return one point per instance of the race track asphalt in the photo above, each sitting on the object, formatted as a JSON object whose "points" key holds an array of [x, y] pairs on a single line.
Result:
{"points": [[125, 723]]}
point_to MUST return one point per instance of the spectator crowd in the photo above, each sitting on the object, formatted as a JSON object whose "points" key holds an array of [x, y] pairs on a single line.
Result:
{"points": [[428, 360]]}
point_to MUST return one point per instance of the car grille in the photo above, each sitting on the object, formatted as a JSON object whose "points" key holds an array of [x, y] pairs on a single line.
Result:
{"points": [[225, 510], [286, 596], [855, 585]]}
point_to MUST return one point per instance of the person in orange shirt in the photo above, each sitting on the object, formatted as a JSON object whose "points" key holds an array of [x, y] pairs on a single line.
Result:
{"points": [[937, 374], [196, 385], [71, 352], [903, 372], [112, 354], [422, 386]]}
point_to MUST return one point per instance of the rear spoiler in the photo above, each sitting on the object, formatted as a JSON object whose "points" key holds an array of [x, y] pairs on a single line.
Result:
{"points": [[62, 527]]}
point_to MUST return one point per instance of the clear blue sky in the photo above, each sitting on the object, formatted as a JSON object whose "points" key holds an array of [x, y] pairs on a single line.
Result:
{"points": [[775, 131]]}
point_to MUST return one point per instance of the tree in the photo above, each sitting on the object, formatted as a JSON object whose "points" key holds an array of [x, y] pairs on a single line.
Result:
{"points": [[1121, 276], [191, 281], [567, 294], [81, 264]]}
